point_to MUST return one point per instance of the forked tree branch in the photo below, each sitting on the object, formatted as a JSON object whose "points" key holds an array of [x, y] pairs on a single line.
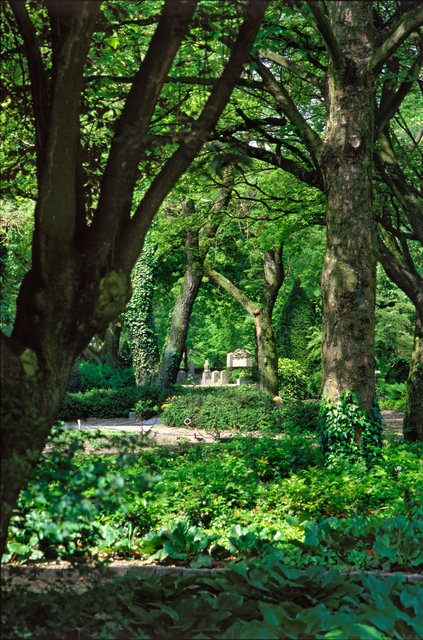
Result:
{"points": [[129, 245], [408, 23]]}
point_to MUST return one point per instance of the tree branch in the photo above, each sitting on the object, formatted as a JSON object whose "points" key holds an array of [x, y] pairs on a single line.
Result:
{"points": [[60, 174], [222, 281], [311, 138], [40, 89], [408, 23], [289, 64], [183, 156], [129, 140], [323, 25], [392, 102]]}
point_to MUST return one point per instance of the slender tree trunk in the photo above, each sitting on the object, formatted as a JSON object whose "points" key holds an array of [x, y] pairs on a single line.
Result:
{"points": [[267, 356], [182, 309], [413, 422], [179, 324], [400, 269], [349, 271], [266, 352]]}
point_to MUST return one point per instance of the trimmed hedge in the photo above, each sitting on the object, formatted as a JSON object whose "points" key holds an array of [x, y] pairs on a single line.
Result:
{"points": [[110, 403]]}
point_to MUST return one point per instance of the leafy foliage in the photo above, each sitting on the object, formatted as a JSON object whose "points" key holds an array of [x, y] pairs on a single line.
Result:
{"points": [[257, 599], [102, 376], [348, 432], [292, 379], [110, 403]]}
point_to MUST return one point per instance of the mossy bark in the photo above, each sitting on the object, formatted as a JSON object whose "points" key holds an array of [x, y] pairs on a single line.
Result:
{"points": [[349, 271], [413, 422]]}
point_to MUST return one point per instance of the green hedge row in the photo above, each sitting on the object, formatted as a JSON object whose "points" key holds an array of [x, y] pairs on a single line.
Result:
{"points": [[111, 403], [243, 409]]}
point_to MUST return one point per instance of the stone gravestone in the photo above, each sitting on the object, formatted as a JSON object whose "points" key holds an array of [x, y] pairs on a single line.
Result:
{"points": [[206, 378], [181, 377], [216, 379], [239, 358], [191, 369]]}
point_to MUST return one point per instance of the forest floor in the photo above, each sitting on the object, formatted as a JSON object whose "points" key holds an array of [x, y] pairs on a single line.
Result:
{"points": [[63, 575]]}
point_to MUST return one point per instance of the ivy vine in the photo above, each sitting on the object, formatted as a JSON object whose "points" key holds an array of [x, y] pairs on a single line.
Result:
{"points": [[139, 316], [340, 422]]}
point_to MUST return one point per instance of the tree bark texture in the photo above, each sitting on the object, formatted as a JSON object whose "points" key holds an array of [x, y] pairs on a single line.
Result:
{"points": [[349, 271], [181, 314], [197, 246]]}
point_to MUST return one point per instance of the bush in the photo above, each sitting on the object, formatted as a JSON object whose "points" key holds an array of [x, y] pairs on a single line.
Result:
{"points": [[292, 379], [248, 373], [392, 396], [244, 409], [103, 376], [110, 403], [298, 416]]}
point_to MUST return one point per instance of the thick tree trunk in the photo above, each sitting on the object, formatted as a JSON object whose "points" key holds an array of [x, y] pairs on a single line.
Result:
{"points": [[349, 271], [413, 422], [80, 279]]}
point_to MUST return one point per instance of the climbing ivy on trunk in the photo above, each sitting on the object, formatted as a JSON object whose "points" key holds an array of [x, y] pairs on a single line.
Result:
{"points": [[139, 317]]}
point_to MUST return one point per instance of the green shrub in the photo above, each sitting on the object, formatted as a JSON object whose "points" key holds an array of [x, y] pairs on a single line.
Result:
{"points": [[248, 373], [292, 379], [110, 403], [298, 416], [103, 376], [262, 598], [339, 423], [244, 409], [392, 396]]}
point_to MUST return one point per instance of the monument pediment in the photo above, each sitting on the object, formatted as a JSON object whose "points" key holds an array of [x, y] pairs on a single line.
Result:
{"points": [[239, 358]]}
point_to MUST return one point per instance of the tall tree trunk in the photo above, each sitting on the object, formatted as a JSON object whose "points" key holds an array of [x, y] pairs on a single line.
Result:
{"points": [[349, 271], [196, 247], [181, 314]]}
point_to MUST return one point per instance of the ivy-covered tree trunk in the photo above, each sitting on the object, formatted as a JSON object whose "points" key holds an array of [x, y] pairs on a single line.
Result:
{"points": [[140, 320], [349, 271]]}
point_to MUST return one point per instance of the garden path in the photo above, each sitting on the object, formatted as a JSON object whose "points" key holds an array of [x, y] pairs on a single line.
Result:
{"points": [[161, 434]]}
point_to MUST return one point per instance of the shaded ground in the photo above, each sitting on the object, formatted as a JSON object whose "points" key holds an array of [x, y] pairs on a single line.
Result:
{"points": [[63, 575], [161, 434]]}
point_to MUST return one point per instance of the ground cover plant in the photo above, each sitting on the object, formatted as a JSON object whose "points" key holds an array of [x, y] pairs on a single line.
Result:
{"points": [[266, 507], [102, 496], [263, 599]]}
